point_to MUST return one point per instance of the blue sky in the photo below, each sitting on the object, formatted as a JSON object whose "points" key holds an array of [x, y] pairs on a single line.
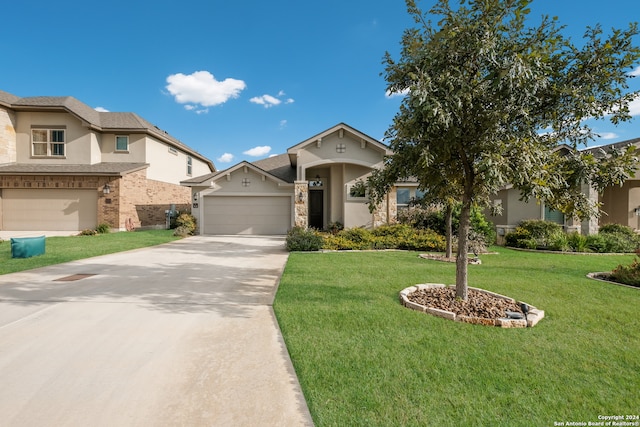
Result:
{"points": [[238, 80]]}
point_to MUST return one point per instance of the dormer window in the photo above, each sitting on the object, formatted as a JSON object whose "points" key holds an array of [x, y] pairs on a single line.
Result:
{"points": [[48, 142], [122, 143]]}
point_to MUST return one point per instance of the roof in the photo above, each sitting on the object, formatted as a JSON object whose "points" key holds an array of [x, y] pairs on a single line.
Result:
{"points": [[596, 151], [100, 121], [277, 167], [109, 169]]}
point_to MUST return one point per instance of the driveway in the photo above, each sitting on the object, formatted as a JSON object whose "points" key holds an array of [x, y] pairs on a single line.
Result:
{"points": [[178, 334]]}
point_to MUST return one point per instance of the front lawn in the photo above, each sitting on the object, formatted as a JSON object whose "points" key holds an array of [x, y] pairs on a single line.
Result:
{"points": [[71, 248], [363, 359]]}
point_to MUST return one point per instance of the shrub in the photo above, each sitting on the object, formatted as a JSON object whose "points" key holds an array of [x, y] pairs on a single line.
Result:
{"points": [[520, 238], [187, 221], [617, 228], [88, 232], [357, 235], [182, 231], [596, 243], [424, 240], [541, 230], [103, 228], [300, 239], [616, 242], [335, 227], [577, 242], [557, 241], [628, 274]]}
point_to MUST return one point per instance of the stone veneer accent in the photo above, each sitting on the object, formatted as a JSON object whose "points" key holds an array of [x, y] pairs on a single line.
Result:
{"points": [[533, 317], [301, 204], [7, 136]]}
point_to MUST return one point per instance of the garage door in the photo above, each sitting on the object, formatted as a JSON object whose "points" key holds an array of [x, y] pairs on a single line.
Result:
{"points": [[44, 210], [247, 215]]}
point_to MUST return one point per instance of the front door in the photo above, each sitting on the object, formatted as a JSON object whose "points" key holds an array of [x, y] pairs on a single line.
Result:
{"points": [[316, 209]]}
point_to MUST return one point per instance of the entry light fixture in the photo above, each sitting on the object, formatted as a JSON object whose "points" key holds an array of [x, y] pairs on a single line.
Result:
{"points": [[300, 196], [106, 189], [637, 211]]}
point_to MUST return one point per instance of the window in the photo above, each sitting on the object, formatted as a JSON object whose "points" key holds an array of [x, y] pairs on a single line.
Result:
{"points": [[357, 190], [122, 143], [402, 196], [189, 165], [48, 142]]}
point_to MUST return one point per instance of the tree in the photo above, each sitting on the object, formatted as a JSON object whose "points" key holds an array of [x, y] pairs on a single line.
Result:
{"points": [[488, 101]]}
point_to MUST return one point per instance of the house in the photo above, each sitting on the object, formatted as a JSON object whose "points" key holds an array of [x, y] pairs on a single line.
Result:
{"points": [[66, 166], [619, 204], [314, 184]]}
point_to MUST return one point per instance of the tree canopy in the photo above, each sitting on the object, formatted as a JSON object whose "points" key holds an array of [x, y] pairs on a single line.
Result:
{"points": [[488, 101]]}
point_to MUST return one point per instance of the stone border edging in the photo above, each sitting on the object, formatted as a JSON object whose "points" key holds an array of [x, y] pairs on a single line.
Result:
{"points": [[533, 317], [592, 276]]}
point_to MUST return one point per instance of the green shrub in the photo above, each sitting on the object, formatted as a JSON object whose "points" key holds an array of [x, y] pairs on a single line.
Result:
{"points": [[88, 232], [187, 221], [577, 242], [596, 243], [628, 274], [103, 228], [616, 242], [300, 239], [557, 241], [542, 231], [335, 227], [357, 235], [617, 228], [520, 238], [424, 240]]}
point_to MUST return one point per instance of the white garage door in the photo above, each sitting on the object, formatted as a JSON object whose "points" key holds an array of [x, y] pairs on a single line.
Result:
{"points": [[49, 210], [247, 215]]}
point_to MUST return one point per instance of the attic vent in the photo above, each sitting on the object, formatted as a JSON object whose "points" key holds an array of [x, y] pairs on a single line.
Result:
{"points": [[341, 148], [173, 150]]}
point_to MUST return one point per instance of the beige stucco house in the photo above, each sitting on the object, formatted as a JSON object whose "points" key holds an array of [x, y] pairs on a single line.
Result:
{"points": [[66, 166], [314, 184], [619, 204]]}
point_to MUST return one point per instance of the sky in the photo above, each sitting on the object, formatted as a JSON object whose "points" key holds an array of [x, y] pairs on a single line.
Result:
{"points": [[240, 80]]}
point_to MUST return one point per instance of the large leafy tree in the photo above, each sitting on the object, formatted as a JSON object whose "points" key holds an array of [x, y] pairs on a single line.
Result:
{"points": [[488, 99]]}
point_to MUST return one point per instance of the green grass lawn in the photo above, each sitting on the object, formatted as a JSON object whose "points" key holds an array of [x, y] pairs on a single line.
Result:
{"points": [[363, 359], [70, 248]]}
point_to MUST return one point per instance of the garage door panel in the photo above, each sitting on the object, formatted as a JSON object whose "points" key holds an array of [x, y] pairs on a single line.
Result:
{"points": [[247, 215], [54, 209]]}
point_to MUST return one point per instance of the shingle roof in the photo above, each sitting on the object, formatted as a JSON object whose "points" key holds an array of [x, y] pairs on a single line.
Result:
{"points": [[621, 144], [116, 169], [103, 121], [279, 166]]}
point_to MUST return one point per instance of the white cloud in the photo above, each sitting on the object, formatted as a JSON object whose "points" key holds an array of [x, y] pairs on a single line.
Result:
{"points": [[390, 94], [283, 124], [267, 100], [607, 135], [225, 158], [635, 72], [258, 151], [101, 109], [201, 88], [289, 101], [634, 106]]}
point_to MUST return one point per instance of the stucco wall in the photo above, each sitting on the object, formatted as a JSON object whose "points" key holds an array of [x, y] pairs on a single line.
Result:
{"points": [[78, 144], [169, 165], [355, 152], [618, 204]]}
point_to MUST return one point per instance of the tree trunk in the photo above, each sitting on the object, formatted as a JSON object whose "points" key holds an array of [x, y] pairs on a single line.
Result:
{"points": [[448, 231], [463, 244]]}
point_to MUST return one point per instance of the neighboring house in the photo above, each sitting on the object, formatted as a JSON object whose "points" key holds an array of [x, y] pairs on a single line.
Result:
{"points": [[66, 166], [314, 184], [619, 204]]}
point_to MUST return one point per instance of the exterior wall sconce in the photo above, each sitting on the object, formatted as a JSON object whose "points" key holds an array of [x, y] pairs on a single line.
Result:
{"points": [[106, 189], [637, 211], [300, 196]]}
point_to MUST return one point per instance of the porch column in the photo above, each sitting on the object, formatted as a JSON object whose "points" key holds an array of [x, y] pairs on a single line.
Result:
{"points": [[590, 226], [301, 203]]}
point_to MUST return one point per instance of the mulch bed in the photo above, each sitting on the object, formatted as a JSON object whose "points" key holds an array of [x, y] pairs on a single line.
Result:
{"points": [[478, 304]]}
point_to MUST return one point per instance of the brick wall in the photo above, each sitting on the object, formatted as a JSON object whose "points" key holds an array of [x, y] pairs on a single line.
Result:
{"points": [[145, 201]]}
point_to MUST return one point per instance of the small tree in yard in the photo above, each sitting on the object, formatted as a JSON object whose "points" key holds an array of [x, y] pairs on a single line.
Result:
{"points": [[488, 101]]}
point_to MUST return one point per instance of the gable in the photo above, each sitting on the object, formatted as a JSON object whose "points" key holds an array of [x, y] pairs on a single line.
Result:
{"points": [[339, 144], [245, 178]]}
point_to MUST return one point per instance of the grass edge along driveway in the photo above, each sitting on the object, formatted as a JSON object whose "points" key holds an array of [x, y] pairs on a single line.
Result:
{"points": [[71, 248], [363, 359]]}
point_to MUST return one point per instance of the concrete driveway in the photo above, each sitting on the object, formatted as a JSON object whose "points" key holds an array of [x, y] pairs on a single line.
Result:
{"points": [[178, 334]]}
